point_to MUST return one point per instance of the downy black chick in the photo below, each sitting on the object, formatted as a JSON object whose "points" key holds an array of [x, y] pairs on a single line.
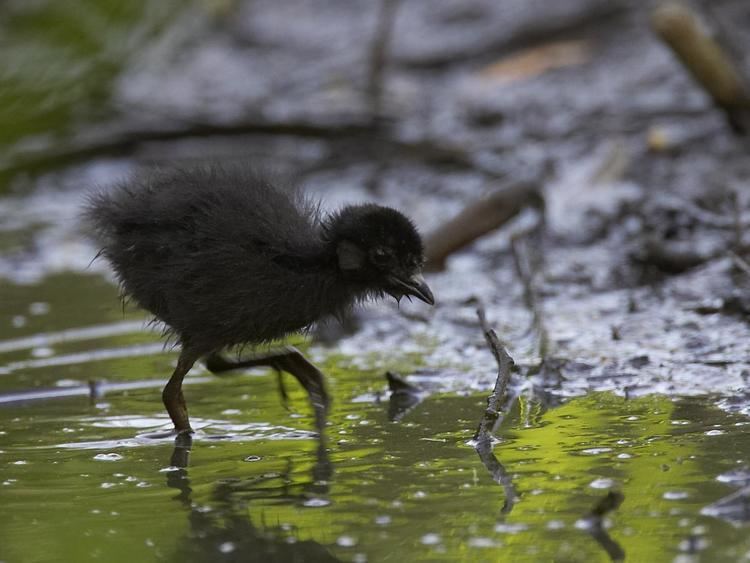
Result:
{"points": [[223, 258]]}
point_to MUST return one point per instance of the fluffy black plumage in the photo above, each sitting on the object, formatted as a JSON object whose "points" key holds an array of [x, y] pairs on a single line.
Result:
{"points": [[224, 257]]}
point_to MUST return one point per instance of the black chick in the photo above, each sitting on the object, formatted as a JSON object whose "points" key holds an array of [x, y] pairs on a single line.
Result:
{"points": [[225, 258]]}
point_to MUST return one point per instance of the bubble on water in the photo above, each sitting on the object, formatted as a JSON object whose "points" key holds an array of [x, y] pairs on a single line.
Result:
{"points": [[252, 458], [714, 433], [108, 485], [18, 321], [227, 547], [430, 539], [482, 542], [169, 469], [596, 451], [231, 411], [503, 528], [555, 525], [108, 457], [675, 495], [383, 520], [42, 352], [316, 502], [624, 456], [21, 462], [346, 541], [601, 483], [39, 308]]}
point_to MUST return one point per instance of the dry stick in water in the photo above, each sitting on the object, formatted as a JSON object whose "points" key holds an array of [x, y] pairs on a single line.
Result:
{"points": [[497, 403], [479, 218], [499, 395], [704, 58]]}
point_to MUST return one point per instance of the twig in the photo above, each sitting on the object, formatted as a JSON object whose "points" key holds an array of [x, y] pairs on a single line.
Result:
{"points": [[499, 394], [497, 402], [478, 219], [705, 59]]}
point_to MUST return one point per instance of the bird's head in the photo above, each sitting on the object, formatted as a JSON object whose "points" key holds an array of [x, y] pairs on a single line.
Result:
{"points": [[379, 249]]}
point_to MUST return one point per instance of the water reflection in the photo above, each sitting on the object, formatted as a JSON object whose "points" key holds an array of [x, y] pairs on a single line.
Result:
{"points": [[224, 531], [594, 524]]}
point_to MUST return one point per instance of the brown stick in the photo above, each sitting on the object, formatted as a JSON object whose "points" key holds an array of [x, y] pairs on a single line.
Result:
{"points": [[709, 64], [478, 219]]}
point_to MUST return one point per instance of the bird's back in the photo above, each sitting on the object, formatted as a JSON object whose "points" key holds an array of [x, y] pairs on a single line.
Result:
{"points": [[210, 251]]}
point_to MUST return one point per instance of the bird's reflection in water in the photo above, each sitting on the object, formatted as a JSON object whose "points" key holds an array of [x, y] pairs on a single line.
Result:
{"points": [[225, 532]]}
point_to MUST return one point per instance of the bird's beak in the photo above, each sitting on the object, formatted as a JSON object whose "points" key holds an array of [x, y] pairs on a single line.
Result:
{"points": [[416, 286]]}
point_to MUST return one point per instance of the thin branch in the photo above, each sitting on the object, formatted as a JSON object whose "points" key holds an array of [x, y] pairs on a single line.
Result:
{"points": [[499, 394], [497, 403]]}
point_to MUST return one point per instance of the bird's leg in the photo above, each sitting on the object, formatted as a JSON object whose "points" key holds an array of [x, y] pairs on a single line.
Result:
{"points": [[172, 395], [291, 361]]}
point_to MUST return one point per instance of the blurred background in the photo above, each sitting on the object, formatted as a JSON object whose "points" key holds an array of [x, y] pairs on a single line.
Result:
{"points": [[579, 170]]}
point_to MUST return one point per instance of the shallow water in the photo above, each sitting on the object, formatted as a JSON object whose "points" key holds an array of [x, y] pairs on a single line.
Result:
{"points": [[86, 480], [99, 479]]}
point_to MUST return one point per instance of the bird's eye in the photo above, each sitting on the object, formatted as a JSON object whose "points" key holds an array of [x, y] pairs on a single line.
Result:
{"points": [[379, 256]]}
